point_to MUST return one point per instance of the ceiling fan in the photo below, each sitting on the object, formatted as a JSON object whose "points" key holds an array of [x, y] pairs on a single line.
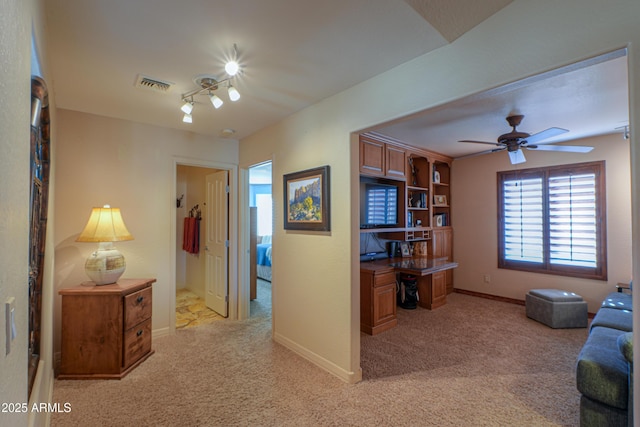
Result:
{"points": [[514, 141]]}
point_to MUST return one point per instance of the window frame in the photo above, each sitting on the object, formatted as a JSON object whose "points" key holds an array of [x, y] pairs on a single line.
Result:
{"points": [[546, 267]]}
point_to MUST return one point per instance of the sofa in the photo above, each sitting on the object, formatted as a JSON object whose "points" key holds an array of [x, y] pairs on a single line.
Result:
{"points": [[604, 371]]}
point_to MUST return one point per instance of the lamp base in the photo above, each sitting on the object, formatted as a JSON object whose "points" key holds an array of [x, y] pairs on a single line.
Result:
{"points": [[106, 265]]}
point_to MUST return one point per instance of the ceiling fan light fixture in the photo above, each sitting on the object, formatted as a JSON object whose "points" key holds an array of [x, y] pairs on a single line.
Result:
{"points": [[516, 157]]}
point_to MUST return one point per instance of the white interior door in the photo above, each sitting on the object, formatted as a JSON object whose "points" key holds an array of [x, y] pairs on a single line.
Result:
{"points": [[217, 243]]}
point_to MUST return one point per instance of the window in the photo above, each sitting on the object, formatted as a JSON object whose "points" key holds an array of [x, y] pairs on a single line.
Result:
{"points": [[553, 220]]}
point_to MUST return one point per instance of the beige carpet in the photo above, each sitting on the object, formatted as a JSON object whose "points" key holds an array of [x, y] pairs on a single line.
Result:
{"points": [[473, 362]]}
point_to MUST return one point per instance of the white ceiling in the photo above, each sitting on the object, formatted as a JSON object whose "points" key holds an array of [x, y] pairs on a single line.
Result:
{"points": [[588, 99], [295, 53]]}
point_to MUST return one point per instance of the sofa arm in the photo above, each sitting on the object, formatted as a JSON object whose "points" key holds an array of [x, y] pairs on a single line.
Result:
{"points": [[625, 344], [622, 287]]}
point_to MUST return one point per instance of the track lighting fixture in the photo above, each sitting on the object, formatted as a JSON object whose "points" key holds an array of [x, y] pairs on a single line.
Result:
{"points": [[208, 84]]}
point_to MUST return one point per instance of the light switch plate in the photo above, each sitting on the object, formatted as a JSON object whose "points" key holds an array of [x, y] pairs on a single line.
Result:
{"points": [[10, 321]]}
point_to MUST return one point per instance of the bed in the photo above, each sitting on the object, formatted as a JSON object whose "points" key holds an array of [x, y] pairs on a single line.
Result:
{"points": [[263, 258]]}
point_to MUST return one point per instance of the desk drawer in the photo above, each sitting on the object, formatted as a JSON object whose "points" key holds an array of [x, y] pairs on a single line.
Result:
{"points": [[137, 307], [137, 343], [384, 279]]}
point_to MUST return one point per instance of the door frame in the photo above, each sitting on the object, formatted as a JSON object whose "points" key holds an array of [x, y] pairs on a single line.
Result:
{"points": [[233, 233]]}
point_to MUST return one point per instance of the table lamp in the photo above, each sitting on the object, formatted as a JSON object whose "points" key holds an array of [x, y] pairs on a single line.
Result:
{"points": [[105, 265]]}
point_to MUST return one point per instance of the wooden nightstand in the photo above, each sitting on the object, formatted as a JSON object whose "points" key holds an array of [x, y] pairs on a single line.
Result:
{"points": [[106, 330]]}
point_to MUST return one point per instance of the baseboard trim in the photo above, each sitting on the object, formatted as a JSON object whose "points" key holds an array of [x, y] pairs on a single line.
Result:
{"points": [[321, 362], [489, 296], [498, 298], [161, 332]]}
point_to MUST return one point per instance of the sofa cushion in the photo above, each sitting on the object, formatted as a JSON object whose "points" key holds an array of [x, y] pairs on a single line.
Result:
{"points": [[618, 300], [613, 318], [602, 371]]}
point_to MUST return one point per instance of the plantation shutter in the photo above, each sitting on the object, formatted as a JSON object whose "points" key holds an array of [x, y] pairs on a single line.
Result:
{"points": [[381, 205], [523, 219], [553, 220], [573, 220]]}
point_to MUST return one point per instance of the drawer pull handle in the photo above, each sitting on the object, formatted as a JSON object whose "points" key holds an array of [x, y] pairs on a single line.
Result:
{"points": [[139, 333], [140, 298]]}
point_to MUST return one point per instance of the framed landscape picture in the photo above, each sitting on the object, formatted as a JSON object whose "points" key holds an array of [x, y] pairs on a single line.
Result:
{"points": [[306, 200]]}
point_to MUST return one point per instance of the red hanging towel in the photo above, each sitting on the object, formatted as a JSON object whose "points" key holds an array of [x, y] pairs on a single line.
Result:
{"points": [[195, 248], [186, 234], [191, 235]]}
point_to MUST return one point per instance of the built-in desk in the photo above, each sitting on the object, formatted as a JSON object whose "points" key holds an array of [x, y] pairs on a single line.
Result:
{"points": [[377, 288]]}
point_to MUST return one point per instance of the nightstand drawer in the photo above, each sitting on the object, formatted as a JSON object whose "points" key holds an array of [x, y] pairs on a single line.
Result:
{"points": [[137, 307], [137, 342]]}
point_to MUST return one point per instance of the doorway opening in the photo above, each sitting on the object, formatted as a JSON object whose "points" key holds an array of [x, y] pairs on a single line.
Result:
{"points": [[202, 245], [260, 239]]}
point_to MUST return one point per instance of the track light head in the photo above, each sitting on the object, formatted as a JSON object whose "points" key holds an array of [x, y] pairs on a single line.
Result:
{"points": [[232, 68], [187, 118], [215, 100], [187, 107], [234, 95]]}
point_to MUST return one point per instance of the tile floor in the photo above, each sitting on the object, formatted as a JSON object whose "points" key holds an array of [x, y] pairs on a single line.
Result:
{"points": [[192, 311]]}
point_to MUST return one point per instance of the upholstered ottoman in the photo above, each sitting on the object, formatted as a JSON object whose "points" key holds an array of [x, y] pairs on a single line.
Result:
{"points": [[556, 308]]}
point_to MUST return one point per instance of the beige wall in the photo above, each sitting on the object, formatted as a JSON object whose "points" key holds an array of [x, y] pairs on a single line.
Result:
{"points": [[131, 166], [19, 20], [474, 186], [316, 299]]}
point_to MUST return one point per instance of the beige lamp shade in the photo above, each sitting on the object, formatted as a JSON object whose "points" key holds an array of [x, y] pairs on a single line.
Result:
{"points": [[105, 225]]}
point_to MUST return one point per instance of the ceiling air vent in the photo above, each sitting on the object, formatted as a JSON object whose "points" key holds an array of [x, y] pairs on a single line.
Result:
{"points": [[155, 85]]}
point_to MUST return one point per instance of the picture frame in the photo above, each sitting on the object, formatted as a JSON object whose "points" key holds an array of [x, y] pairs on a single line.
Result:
{"points": [[436, 177], [405, 250], [438, 220], [307, 200], [439, 200]]}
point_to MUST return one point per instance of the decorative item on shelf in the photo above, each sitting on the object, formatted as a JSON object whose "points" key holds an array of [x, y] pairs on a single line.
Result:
{"points": [[420, 248], [439, 200], [208, 84], [409, 219], [405, 249], [105, 226], [436, 177], [414, 171], [440, 220]]}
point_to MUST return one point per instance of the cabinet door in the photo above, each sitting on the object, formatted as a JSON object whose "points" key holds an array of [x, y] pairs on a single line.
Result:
{"points": [[384, 304], [372, 157], [396, 162], [438, 289]]}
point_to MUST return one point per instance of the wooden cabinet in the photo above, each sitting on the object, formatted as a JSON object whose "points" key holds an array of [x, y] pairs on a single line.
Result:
{"points": [[442, 247], [377, 299], [377, 158], [106, 330], [432, 290]]}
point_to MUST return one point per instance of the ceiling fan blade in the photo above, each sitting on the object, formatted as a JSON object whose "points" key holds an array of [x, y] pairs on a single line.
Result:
{"points": [[481, 142], [481, 153], [547, 133], [516, 157], [565, 148]]}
